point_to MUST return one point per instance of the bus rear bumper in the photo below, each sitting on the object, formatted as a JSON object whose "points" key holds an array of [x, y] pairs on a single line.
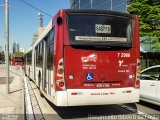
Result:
{"points": [[80, 97]]}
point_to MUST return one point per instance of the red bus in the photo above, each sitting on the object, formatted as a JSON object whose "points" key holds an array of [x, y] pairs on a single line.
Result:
{"points": [[87, 57], [18, 60]]}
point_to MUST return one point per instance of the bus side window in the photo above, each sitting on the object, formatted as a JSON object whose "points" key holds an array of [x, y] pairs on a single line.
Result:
{"points": [[50, 50]]}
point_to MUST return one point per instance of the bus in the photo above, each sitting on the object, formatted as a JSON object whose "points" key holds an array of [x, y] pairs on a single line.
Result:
{"points": [[87, 57], [18, 60]]}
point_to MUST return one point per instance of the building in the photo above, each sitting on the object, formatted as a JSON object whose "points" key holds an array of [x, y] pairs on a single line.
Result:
{"points": [[115, 5], [15, 47], [40, 28], [21, 50]]}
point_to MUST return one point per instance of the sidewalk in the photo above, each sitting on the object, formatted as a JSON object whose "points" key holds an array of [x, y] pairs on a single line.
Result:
{"points": [[11, 104]]}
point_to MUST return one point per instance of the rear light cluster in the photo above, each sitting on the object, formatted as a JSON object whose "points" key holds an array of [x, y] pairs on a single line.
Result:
{"points": [[60, 75], [137, 82]]}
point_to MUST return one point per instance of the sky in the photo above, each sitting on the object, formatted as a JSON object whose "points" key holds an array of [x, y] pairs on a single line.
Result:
{"points": [[23, 19]]}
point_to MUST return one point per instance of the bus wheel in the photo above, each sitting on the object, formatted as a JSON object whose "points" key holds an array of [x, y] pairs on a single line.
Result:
{"points": [[39, 84], [29, 72], [29, 75], [41, 94], [39, 80], [132, 105]]}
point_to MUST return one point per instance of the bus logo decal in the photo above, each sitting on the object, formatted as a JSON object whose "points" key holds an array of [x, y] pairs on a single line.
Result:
{"points": [[120, 62], [91, 57], [89, 76]]}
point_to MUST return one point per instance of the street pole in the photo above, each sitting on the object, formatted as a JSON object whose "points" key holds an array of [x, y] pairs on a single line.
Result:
{"points": [[7, 44]]}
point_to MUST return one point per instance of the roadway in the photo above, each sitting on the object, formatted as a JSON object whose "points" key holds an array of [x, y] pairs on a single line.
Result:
{"points": [[2, 66]]}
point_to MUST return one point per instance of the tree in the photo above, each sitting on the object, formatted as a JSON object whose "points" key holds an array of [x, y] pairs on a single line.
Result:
{"points": [[19, 54], [148, 12], [2, 57]]}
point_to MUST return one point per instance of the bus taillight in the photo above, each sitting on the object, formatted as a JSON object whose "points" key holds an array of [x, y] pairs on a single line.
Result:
{"points": [[60, 71], [137, 82], [61, 63], [61, 84], [60, 75]]}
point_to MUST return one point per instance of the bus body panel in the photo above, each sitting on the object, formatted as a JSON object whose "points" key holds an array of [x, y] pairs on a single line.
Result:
{"points": [[58, 45], [81, 97], [99, 69], [18, 60], [102, 96]]}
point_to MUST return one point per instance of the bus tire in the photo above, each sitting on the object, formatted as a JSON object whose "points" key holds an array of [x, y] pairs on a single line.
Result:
{"points": [[39, 80], [41, 94], [132, 105], [39, 84], [29, 72]]}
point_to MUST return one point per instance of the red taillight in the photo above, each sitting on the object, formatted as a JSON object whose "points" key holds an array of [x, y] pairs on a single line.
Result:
{"points": [[61, 63], [137, 82], [60, 71], [138, 70], [138, 63], [60, 76], [61, 84]]}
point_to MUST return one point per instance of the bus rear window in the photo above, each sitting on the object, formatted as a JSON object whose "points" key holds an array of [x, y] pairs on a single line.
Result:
{"points": [[19, 59], [99, 29]]}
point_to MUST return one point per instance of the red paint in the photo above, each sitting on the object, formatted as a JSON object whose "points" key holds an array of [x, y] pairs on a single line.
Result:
{"points": [[61, 84], [104, 66]]}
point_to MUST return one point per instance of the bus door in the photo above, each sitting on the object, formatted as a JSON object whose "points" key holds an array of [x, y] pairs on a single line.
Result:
{"points": [[49, 62]]}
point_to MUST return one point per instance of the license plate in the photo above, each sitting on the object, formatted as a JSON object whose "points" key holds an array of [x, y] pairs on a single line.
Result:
{"points": [[103, 28], [100, 85]]}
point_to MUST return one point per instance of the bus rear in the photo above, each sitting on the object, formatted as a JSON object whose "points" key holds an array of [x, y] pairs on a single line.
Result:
{"points": [[101, 58], [18, 60]]}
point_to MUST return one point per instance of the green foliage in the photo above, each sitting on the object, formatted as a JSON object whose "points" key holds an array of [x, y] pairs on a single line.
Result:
{"points": [[2, 56], [145, 63], [148, 12], [19, 54]]}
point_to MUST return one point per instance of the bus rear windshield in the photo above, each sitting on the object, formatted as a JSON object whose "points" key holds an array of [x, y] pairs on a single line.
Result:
{"points": [[19, 59], [89, 29]]}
